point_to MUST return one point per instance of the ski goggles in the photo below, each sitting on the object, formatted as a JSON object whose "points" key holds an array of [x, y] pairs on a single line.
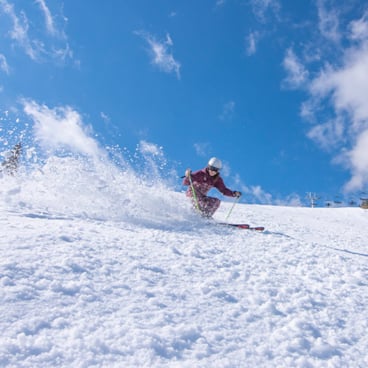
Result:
{"points": [[213, 168]]}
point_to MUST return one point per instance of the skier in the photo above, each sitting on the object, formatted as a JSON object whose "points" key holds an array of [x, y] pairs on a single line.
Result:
{"points": [[201, 181]]}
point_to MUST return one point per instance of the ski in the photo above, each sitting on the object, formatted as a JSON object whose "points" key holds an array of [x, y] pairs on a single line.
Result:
{"points": [[243, 226]]}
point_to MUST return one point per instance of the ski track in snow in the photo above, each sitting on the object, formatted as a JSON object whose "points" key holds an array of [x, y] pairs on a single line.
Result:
{"points": [[84, 291]]}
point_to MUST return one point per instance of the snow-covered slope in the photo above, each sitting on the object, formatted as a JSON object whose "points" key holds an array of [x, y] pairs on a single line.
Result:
{"points": [[98, 269]]}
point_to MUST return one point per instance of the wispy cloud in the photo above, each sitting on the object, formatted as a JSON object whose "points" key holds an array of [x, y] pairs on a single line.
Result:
{"points": [[202, 149], [49, 20], [48, 17], [161, 54], [359, 28], [251, 43], [328, 22], [105, 117], [293, 200], [264, 12], [220, 3], [19, 31], [227, 111], [261, 8], [54, 44], [4, 64], [328, 134], [297, 74], [257, 194]]}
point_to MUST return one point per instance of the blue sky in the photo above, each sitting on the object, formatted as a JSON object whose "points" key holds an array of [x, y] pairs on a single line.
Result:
{"points": [[276, 89]]}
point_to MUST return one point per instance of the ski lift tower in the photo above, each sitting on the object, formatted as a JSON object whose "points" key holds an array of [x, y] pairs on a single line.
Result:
{"points": [[312, 197], [364, 203], [364, 200]]}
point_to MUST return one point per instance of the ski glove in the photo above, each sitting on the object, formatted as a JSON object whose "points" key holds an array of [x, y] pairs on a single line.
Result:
{"points": [[188, 172], [237, 194]]}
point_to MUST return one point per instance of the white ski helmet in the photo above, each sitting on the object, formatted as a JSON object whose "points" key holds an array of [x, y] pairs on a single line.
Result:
{"points": [[215, 162]]}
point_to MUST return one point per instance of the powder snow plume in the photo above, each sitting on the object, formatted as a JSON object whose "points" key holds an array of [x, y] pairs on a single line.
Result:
{"points": [[64, 171]]}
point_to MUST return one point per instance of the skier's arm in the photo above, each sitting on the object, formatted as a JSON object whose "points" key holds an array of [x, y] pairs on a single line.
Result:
{"points": [[193, 175], [220, 185]]}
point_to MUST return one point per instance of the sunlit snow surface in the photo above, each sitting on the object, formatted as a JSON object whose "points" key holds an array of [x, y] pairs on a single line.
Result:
{"points": [[104, 264], [98, 269]]}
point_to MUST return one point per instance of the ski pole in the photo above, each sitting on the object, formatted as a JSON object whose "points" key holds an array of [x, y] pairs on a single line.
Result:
{"points": [[232, 207], [193, 192]]}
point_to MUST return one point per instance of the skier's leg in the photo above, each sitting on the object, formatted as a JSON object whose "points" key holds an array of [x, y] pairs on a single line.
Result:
{"points": [[210, 206]]}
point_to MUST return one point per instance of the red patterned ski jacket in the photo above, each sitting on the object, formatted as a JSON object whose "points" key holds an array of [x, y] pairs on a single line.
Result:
{"points": [[203, 182]]}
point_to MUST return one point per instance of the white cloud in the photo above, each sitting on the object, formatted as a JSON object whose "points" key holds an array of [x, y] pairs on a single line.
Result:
{"points": [[328, 134], [262, 7], [308, 111], [227, 111], [359, 28], [345, 88], [292, 200], [36, 49], [202, 149], [19, 32], [255, 193], [48, 17], [105, 117], [328, 22], [4, 64], [358, 158], [161, 53], [61, 127], [251, 43], [337, 105], [220, 3], [297, 74]]}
